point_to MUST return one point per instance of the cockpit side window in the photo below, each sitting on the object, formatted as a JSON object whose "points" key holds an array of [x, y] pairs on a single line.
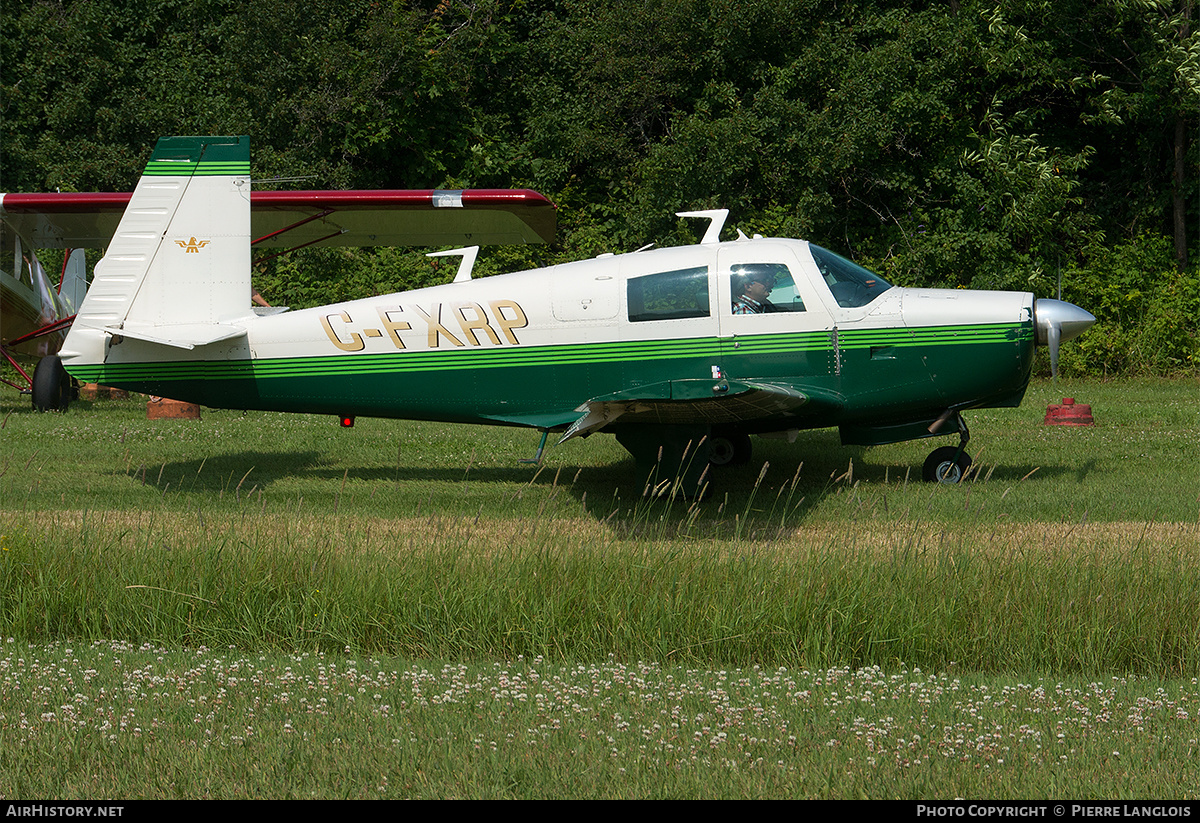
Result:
{"points": [[761, 288], [24, 260], [851, 284], [669, 295]]}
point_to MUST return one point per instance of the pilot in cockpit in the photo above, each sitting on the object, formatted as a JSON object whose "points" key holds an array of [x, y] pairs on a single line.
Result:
{"points": [[751, 288]]}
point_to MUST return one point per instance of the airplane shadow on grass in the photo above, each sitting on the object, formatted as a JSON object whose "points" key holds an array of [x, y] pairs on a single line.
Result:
{"points": [[781, 485]]}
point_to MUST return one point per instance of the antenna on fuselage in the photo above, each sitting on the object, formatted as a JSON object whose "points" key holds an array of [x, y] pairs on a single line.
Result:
{"points": [[469, 253], [717, 222]]}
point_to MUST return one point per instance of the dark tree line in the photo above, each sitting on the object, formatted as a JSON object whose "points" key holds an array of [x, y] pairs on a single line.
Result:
{"points": [[991, 143]]}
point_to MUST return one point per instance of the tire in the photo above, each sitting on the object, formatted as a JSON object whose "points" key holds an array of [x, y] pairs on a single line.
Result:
{"points": [[730, 450], [942, 466], [51, 385]]}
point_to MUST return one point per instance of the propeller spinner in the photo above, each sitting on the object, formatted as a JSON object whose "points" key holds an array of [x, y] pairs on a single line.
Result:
{"points": [[1058, 321]]}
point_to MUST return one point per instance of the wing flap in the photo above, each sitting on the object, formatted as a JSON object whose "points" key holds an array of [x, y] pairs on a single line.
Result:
{"points": [[681, 402]]}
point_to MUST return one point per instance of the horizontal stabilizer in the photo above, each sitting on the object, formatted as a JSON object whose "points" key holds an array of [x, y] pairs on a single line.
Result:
{"points": [[182, 335]]}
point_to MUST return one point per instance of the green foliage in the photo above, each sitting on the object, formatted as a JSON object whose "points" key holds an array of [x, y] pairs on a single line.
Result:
{"points": [[314, 277], [979, 144], [1146, 311], [317, 276]]}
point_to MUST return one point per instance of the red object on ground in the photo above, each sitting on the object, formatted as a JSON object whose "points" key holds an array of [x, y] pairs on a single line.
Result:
{"points": [[92, 391], [162, 408], [1069, 413]]}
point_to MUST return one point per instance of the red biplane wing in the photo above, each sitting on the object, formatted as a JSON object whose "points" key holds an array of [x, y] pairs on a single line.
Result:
{"points": [[291, 219], [473, 217]]}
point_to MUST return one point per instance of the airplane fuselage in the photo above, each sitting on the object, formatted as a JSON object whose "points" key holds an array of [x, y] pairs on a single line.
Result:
{"points": [[28, 300], [658, 328]]}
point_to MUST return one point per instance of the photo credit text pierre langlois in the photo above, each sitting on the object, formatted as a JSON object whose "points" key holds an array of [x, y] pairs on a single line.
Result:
{"points": [[1054, 810]]}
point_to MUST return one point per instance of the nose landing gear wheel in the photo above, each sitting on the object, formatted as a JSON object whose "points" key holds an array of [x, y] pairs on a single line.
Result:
{"points": [[947, 464]]}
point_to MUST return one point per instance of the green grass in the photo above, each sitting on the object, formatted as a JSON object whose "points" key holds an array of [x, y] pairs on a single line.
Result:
{"points": [[1070, 558], [460, 588], [1138, 463]]}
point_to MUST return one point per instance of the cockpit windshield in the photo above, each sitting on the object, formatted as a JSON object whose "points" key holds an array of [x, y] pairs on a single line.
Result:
{"points": [[851, 284], [27, 272]]}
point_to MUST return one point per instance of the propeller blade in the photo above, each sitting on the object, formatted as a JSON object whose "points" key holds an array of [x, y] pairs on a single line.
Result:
{"points": [[1054, 339]]}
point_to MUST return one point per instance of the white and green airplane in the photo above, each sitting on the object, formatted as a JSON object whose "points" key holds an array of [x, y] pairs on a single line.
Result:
{"points": [[681, 353]]}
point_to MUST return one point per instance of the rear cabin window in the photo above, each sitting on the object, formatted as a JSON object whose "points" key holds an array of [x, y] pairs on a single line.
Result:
{"points": [[669, 295]]}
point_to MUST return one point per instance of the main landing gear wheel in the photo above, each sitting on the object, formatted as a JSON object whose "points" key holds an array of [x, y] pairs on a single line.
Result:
{"points": [[947, 464], [671, 459], [51, 385], [730, 450]]}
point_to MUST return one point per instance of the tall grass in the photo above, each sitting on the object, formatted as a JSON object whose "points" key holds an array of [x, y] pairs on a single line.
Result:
{"points": [[1119, 599]]}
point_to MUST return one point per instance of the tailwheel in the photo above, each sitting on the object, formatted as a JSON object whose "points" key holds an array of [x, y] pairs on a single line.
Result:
{"points": [[730, 450], [51, 385], [947, 464]]}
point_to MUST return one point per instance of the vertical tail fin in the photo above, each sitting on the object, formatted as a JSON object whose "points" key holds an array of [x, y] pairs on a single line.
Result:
{"points": [[73, 286], [178, 269]]}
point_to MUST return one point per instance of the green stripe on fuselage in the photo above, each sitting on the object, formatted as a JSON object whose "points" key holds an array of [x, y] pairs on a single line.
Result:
{"points": [[511, 379], [935, 335], [490, 358]]}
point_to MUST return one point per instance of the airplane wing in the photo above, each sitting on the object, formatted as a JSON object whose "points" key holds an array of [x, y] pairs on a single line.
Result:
{"points": [[293, 219], [64, 220], [683, 402], [475, 217]]}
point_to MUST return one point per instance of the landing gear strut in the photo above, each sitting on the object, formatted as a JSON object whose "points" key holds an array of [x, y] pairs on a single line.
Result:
{"points": [[949, 464]]}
